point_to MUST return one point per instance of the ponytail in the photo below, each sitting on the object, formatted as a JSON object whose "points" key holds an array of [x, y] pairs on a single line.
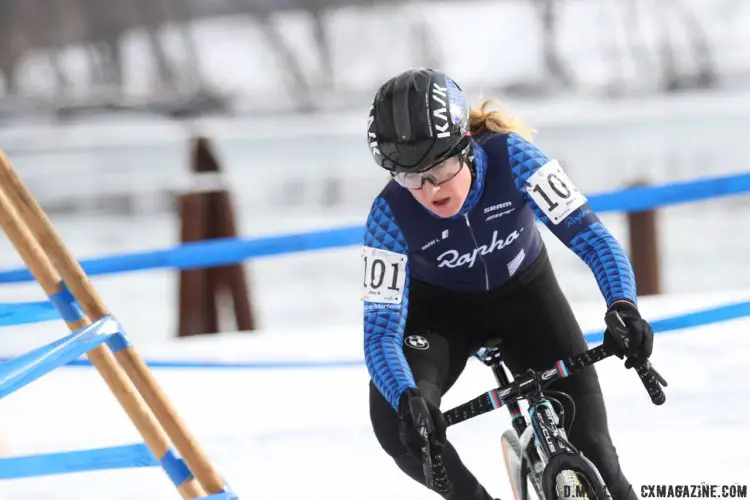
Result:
{"points": [[485, 119]]}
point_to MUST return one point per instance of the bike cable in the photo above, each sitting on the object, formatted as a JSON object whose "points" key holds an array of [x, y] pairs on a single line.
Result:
{"points": [[572, 403]]}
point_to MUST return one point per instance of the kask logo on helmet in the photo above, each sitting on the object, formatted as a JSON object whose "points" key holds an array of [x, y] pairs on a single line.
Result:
{"points": [[371, 135], [451, 258], [441, 121]]}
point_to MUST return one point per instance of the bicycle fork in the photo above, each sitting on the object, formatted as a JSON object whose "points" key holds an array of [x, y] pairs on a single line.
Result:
{"points": [[559, 456], [531, 462]]}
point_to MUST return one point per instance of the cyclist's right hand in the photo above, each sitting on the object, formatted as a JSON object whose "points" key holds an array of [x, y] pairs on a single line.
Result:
{"points": [[420, 420]]}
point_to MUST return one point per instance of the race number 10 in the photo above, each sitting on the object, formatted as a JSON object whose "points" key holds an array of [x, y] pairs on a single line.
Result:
{"points": [[554, 192], [384, 275]]}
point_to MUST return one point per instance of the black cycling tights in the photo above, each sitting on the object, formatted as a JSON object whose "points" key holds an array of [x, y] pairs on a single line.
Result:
{"points": [[537, 327]]}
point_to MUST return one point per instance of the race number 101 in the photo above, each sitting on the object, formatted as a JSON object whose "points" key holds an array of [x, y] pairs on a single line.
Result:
{"points": [[384, 275]]}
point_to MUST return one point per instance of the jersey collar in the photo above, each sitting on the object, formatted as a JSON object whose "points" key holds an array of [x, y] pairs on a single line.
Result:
{"points": [[477, 185]]}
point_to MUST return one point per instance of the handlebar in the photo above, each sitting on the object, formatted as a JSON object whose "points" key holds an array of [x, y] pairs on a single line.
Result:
{"points": [[533, 382]]}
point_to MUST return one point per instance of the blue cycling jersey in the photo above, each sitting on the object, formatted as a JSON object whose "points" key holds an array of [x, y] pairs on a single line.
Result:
{"points": [[491, 239]]}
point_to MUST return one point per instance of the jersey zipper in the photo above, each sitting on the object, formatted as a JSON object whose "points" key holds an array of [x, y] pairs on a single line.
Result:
{"points": [[476, 245]]}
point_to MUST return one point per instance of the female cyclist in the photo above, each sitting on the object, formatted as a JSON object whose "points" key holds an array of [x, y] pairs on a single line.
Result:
{"points": [[453, 257]]}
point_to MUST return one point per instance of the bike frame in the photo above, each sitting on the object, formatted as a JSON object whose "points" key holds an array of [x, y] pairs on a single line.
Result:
{"points": [[544, 420], [545, 427]]}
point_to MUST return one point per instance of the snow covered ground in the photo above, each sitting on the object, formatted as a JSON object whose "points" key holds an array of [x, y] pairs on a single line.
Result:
{"points": [[304, 433]]}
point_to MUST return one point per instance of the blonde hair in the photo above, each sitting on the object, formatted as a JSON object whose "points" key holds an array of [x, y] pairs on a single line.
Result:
{"points": [[486, 119]]}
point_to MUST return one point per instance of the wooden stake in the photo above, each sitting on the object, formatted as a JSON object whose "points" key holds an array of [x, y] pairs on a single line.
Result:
{"points": [[207, 213], [230, 278], [198, 312], [79, 285], [101, 357], [644, 249]]}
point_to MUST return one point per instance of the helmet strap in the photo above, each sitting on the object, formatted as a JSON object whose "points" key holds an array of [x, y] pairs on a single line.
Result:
{"points": [[472, 164]]}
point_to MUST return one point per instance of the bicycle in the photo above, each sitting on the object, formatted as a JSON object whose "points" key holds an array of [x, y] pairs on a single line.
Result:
{"points": [[537, 450]]}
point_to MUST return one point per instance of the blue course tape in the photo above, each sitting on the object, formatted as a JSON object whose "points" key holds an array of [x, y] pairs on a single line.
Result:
{"points": [[252, 365], [118, 342], [228, 251], [20, 371], [175, 468], [23, 313], [689, 320], [647, 197], [212, 253], [66, 304], [224, 495], [118, 457]]}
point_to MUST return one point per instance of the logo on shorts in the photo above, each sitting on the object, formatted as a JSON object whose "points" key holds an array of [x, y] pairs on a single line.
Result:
{"points": [[417, 342]]}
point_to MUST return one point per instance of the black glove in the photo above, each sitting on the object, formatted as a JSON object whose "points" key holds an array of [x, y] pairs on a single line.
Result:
{"points": [[628, 334], [420, 416]]}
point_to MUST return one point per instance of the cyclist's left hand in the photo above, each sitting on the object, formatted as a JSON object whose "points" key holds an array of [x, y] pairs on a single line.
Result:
{"points": [[632, 337]]}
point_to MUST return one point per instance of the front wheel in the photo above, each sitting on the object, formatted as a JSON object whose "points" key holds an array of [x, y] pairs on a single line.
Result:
{"points": [[570, 485], [531, 473], [569, 477]]}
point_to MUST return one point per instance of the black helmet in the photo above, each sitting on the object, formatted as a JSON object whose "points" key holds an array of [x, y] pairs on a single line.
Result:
{"points": [[417, 118]]}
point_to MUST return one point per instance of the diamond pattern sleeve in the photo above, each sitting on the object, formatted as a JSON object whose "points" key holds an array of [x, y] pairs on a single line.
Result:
{"points": [[563, 209], [385, 296]]}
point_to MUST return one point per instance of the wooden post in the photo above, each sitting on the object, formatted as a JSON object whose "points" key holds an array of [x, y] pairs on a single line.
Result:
{"points": [[644, 249], [51, 264], [207, 213], [229, 281], [198, 311]]}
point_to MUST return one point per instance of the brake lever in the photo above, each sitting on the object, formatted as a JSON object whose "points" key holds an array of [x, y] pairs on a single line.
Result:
{"points": [[426, 456], [656, 375]]}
